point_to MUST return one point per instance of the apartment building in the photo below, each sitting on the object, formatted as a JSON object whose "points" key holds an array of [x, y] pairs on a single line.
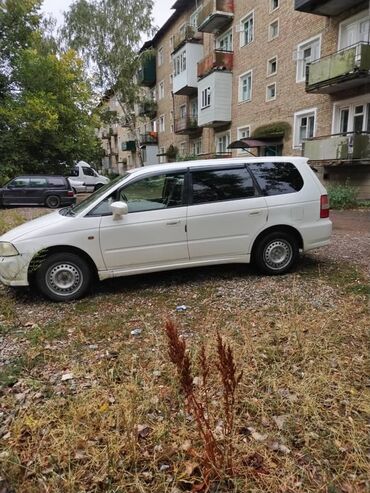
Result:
{"points": [[266, 77]]}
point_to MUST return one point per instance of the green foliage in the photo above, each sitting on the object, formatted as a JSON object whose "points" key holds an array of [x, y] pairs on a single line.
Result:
{"points": [[342, 196], [187, 157], [46, 112], [172, 152], [272, 129]]}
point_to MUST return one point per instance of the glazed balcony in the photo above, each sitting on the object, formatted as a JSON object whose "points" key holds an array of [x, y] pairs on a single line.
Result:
{"points": [[326, 7], [146, 76], [189, 34], [185, 61], [148, 108], [338, 147], [216, 112], [340, 71], [217, 60], [149, 138], [187, 125], [215, 15]]}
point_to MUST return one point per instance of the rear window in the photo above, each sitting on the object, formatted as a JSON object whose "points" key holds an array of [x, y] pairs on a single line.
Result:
{"points": [[277, 178], [220, 185], [57, 181]]}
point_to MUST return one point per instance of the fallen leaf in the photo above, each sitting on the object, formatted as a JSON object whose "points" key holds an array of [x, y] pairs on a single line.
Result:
{"points": [[143, 431], [280, 420], [67, 376]]}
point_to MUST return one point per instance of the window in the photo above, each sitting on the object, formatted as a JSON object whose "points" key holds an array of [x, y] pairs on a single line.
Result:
{"points": [[222, 143], [274, 29], [197, 147], [272, 66], [20, 183], [307, 52], [56, 181], [41, 182], [182, 148], [245, 87], [193, 21], [247, 30], [151, 193], [274, 4], [206, 98], [304, 126], [352, 116], [160, 56], [179, 63], [88, 171], [354, 30], [243, 133], [221, 185], [183, 111], [74, 172], [277, 178], [271, 92], [161, 123], [225, 41], [161, 90]]}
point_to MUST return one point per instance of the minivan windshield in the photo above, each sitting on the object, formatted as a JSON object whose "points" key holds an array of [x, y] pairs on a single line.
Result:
{"points": [[99, 193]]}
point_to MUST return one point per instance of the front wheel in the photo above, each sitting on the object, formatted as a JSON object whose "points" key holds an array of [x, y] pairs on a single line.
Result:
{"points": [[63, 277], [97, 186], [276, 253]]}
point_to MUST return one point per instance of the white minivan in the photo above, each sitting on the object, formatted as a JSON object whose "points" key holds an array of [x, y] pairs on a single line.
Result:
{"points": [[84, 178], [172, 216]]}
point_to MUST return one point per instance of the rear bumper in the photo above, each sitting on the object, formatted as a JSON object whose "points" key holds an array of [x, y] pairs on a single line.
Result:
{"points": [[317, 234], [14, 270]]}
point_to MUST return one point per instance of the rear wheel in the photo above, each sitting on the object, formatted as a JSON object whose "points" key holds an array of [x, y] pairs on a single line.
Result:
{"points": [[276, 253], [63, 277], [52, 201]]}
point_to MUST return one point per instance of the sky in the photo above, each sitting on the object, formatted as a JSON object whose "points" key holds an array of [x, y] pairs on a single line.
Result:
{"points": [[161, 12]]}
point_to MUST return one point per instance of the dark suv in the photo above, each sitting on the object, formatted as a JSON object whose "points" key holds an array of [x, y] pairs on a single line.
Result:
{"points": [[51, 191]]}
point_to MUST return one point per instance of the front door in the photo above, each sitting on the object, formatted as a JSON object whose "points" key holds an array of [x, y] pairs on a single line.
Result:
{"points": [[224, 215], [153, 233], [15, 191]]}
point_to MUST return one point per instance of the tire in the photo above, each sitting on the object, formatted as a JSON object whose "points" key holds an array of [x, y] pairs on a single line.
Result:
{"points": [[97, 186], [52, 201], [276, 253], [63, 277]]}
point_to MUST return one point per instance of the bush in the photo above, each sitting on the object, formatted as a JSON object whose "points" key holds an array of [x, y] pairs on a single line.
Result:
{"points": [[342, 196]]}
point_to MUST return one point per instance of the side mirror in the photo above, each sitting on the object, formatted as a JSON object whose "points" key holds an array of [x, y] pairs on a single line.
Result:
{"points": [[119, 209]]}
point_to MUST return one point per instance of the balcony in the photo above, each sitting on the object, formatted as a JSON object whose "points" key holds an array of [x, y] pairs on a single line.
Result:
{"points": [[189, 34], [326, 7], [340, 71], [217, 60], [146, 76], [338, 147], [215, 16], [185, 61], [187, 125], [148, 108], [149, 138], [214, 92], [129, 145]]}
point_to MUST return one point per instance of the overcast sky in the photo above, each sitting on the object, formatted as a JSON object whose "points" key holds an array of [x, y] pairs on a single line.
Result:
{"points": [[162, 9]]}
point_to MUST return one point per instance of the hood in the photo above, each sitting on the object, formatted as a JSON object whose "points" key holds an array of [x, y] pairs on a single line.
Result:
{"points": [[43, 222]]}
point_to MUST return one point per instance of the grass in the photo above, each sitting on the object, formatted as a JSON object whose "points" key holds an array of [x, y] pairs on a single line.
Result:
{"points": [[119, 423]]}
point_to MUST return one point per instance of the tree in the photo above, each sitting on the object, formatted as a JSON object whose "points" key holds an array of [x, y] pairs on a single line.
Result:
{"points": [[46, 102], [107, 34]]}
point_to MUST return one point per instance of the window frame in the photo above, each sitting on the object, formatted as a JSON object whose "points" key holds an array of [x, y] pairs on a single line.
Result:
{"points": [[162, 118], [300, 114], [272, 84], [240, 92], [205, 102], [273, 9], [160, 56], [270, 37], [243, 20], [160, 88], [242, 152], [300, 62], [268, 74]]}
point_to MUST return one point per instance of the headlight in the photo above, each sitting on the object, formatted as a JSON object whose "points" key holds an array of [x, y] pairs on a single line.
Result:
{"points": [[7, 249]]}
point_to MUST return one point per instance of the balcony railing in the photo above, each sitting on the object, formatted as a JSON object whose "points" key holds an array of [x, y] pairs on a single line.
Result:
{"points": [[149, 138], [215, 15], [190, 33], [338, 147], [146, 76], [325, 7], [187, 125], [148, 108], [344, 69], [217, 60]]}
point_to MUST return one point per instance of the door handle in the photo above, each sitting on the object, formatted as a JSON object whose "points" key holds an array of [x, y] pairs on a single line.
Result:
{"points": [[254, 213], [173, 223]]}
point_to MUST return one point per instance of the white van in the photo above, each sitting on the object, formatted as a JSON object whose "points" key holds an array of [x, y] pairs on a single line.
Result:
{"points": [[172, 216], [84, 178]]}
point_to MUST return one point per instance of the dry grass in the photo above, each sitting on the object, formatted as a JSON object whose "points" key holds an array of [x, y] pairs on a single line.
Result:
{"points": [[119, 423]]}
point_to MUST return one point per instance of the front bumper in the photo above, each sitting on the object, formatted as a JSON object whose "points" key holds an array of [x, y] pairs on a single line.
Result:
{"points": [[14, 270]]}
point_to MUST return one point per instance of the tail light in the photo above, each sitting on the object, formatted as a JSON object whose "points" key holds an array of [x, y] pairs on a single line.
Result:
{"points": [[70, 193], [324, 206]]}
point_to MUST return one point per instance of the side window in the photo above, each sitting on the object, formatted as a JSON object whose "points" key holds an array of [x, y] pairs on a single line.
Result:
{"points": [[73, 172], [19, 183], [38, 183], [277, 178], [88, 171], [220, 185], [57, 181], [151, 193]]}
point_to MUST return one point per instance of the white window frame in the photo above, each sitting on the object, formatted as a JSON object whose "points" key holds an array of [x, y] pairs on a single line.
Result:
{"points": [[239, 137], [300, 77], [160, 90], [162, 123], [268, 74], [197, 146], [273, 84], [270, 37], [225, 36], [350, 104], [297, 116], [240, 88], [220, 136], [361, 16], [160, 56], [242, 42], [206, 98], [183, 148], [272, 8]]}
